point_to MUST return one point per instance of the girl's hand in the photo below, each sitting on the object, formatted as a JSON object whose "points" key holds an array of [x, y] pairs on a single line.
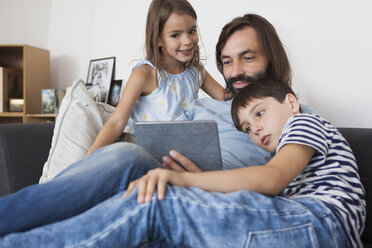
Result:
{"points": [[157, 178], [186, 164]]}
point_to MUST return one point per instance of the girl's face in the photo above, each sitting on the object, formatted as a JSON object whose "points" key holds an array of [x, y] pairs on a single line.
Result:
{"points": [[178, 41]]}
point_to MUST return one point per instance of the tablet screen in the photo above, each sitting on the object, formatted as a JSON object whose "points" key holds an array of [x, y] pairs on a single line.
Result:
{"points": [[197, 140]]}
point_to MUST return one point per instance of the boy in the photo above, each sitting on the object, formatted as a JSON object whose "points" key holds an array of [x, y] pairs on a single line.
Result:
{"points": [[270, 113], [313, 163]]}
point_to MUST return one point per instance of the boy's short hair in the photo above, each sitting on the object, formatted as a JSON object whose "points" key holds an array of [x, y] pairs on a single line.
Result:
{"points": [[262, 88]]}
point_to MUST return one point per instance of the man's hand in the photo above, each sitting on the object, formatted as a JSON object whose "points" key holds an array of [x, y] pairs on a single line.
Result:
{"points": [[187, 164], [156, 178]]}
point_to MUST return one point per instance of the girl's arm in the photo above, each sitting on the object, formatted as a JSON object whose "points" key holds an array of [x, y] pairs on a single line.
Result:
{"points": [[212, 88], [141, 82], [270, 179]]}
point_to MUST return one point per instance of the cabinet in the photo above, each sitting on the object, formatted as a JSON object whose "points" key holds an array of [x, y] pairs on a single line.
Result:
{"points": [[34, 64]]}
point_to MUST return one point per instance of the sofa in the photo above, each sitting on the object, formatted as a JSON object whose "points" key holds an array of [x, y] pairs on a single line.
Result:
{"points": [[24, 148]]}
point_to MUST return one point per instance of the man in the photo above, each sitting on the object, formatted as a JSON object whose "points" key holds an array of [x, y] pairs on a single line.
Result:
{"points": [[248, 49], [187, 217]]}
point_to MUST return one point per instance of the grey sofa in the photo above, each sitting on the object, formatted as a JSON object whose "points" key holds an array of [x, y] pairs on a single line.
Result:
{"points": [[24, 149]]}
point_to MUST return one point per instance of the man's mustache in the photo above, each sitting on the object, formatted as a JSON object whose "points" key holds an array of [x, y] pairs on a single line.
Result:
{"points": [[243, 78]]}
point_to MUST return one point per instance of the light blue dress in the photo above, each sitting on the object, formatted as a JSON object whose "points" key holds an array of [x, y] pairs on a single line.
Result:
{"points": [[174, 93]]}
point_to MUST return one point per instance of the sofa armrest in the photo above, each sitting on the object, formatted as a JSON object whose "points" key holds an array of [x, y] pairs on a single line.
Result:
{"points": [[24, 148], [360, 141]]}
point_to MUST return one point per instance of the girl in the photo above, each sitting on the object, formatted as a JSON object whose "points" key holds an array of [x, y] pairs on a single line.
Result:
{"points": [[169, 78]]}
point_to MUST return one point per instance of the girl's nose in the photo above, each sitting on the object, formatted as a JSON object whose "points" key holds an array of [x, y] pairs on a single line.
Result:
{"points": [[187, 40]]}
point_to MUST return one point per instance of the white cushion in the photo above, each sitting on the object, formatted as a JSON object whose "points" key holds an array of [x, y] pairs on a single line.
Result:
{"points": [[79, 120]]}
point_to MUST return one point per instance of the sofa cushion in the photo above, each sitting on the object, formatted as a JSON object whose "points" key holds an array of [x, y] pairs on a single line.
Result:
{"points": [[79, 120], [23, 150], [360, 140]]}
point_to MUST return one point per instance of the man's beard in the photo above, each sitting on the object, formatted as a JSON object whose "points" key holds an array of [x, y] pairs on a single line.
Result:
{"points": [[243, 78]]}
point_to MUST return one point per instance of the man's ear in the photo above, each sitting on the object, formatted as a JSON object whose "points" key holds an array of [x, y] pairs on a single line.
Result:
{"points": [[293, 103]]}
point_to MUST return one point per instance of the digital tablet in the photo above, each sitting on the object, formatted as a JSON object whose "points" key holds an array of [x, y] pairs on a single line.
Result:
{"points": [[197, 140]]}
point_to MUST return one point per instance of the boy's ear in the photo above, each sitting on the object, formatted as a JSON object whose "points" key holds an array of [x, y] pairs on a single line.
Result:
{"points": [[293, 103]]}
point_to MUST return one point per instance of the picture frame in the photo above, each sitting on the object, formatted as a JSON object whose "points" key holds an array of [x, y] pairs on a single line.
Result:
{"points": [[115, 92], [100, 75], [48, 101], [51, 100]]}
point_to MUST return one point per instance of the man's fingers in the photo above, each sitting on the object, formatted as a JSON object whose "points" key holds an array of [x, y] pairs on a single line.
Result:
{"points": [[184, 161], [172, 165]]}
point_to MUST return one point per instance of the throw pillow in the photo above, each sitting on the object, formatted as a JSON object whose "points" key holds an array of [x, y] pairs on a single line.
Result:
{"points": [[78, 122]]}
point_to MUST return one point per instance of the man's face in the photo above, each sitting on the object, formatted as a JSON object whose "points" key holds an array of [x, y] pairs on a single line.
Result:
{"points": [[242, 59]]}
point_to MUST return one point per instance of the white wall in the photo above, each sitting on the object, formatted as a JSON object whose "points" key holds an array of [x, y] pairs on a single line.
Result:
{"points": [[25, 22], [329, 42]]}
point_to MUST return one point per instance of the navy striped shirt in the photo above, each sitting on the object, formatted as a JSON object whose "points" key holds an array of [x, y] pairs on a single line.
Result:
{"points": [[331, 175]]}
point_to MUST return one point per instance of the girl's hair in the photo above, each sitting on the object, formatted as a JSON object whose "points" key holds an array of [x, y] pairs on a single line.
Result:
{"points": [[260, 89], [271, 46], [158, 14]]}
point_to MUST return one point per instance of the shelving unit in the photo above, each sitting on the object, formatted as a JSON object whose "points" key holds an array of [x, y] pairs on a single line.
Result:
{"points": [[32, 118], [35, 65]]}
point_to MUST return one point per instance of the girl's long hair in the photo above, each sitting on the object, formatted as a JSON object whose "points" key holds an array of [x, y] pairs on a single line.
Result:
{"points": [[158, 14]]}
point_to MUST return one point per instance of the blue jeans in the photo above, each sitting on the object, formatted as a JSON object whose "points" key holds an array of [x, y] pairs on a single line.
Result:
{"points": [[187, 217], [78, 188]]}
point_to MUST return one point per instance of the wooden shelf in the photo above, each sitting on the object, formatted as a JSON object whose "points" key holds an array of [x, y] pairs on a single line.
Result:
{"points": [[32, 118], [11, 114], [34, 64]]}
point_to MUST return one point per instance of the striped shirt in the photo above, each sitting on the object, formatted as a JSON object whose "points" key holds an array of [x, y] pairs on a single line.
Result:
{"points": [[331, 175]]}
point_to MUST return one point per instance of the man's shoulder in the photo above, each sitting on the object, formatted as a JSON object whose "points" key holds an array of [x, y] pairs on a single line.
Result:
{"points": [[206, 109], [210, 103]]}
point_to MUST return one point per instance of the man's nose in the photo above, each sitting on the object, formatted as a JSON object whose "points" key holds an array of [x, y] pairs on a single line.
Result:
{"points": [[236, 69]]}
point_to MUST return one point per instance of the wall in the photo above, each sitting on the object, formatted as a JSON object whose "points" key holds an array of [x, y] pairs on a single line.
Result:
{"points": [[328, 42], [25, 22]]}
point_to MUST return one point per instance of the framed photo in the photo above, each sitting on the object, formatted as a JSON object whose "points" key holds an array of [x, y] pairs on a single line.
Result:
{"points": [[114, 93], [48, 101], [51, 100], [100, 75]]}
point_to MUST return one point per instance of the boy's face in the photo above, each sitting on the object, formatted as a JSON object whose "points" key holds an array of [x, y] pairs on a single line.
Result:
{"points": [[264, 118]]}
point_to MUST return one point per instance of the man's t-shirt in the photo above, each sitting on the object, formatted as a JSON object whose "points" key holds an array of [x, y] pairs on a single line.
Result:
{"points": [[331, 175]]}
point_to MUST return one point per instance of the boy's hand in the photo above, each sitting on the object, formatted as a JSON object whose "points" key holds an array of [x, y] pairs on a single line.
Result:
{"points": [[187, 164], [157, 178]]}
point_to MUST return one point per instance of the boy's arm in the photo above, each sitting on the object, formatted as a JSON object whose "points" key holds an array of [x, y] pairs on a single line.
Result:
{"points": [[270, 179]]}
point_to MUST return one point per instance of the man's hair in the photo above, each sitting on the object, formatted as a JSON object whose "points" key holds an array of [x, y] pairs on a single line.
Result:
{"points": [[157, 15], [257, 90], [272, 48]]}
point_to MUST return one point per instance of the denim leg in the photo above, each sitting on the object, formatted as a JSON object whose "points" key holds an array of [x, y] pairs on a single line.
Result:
{"points": [[190, 217], [81, 186]]}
